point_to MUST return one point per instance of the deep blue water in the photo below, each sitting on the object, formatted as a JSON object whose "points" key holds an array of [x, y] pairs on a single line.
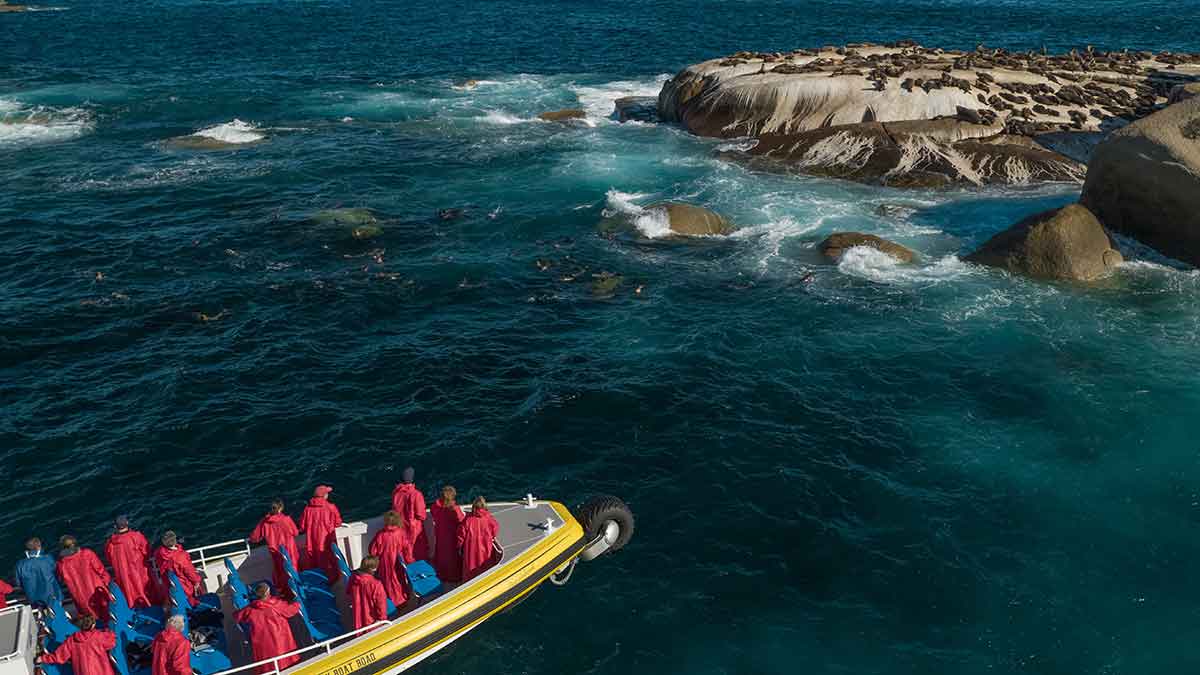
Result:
{"points": [[880, 470]]}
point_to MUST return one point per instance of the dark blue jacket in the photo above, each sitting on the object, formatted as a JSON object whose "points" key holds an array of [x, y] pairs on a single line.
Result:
{"points": [[35, 576]]}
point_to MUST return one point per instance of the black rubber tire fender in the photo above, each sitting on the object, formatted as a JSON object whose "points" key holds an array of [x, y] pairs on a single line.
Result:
{"points": [[595, 513]]}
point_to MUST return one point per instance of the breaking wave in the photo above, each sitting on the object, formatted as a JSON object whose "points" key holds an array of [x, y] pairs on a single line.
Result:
{"points": [[872, 264], [22, 125], [236, 132]]}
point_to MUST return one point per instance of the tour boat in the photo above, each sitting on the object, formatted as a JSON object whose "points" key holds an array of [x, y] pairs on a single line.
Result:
{"points": [[539, 541]]}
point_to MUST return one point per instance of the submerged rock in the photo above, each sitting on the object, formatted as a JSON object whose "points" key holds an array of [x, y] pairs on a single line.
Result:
{"points": [[636, 109], [691, 220], [355, 223], [1066, 244], [605, 284], [563, 115], [1144, 181], [838, 243]]}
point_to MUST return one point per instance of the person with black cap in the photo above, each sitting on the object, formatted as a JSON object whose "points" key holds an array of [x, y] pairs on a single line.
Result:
{"points": [[408, 501], [129, 554], [320, 519]]}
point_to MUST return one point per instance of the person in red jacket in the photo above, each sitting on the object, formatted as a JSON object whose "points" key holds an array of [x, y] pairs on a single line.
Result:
{"points": [[129, 554], [320, 518], [5, 589], [408, 501], [87, 650], [85, 578], [476, 538], [388, 546], [270, 633], [366, 594], [171, 651], [447, 514], [279, 531], [171, 557]]}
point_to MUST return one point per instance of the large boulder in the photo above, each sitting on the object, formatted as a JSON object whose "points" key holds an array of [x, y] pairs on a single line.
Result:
{"points": [[1144, 181], [691, 220], [352, 223], [922, 153], [1066, 244], [838, 243]]}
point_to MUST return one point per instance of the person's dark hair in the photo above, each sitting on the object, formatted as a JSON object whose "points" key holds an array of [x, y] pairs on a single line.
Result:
{"points": [[277, 506], [449, 495], [479, 503], [391, 518], [369, 564], [85, 621], [33, 544], [262, 591], [169, 539], [67, 542]]}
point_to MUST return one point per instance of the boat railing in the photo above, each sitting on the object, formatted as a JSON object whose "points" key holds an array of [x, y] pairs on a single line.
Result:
{"points": [[218, 552], [326, 646], [18, 610]]}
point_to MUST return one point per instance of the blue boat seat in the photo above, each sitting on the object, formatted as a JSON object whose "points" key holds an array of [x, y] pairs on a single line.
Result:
{"points": [[238, 590], [119, 657], [58, 623], [125, 622], [422, 579], [318, 606], [180, 600], [343, 565]]}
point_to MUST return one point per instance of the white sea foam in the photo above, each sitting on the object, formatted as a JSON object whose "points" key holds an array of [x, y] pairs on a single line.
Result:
{"points": [[652, 223], [503, 118], [22, 125], [875, 265], [235, 132], [598, 100]]}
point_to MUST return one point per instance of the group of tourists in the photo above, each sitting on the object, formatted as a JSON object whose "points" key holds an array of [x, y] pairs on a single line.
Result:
{"points": [[459, 545]]}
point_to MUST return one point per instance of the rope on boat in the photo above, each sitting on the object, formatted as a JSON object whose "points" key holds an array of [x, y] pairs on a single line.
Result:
{"points": [[562, 581]]}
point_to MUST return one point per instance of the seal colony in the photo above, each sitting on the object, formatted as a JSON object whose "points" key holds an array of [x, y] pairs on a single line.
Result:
{"points": [[906, 115]]}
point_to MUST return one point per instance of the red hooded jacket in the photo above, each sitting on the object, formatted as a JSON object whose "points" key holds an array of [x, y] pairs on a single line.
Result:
{"points": [[367, 599], [446, 560], [270, 632], [5, 589], [86, 651], [408, 501], [476, 534], [172, 653], [178, 561], [320, 518], [129, 554], [87, 581], [387, 545], [279, 531]]}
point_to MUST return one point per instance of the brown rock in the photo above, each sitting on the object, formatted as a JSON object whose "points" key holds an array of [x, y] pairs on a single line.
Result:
{"points": [[563, 115], [692, 221], [1144, 181], [838, 243], [1064, 244]]}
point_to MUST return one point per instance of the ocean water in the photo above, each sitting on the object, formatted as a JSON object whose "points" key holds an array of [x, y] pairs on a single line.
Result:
{"points": [[860, 468]]}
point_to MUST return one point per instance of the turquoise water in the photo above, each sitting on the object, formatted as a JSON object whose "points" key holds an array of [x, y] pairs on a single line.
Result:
{"points": [[861, 468]]}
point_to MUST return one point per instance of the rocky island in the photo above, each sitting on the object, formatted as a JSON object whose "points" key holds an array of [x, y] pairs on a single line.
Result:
{"points": [[906, 115]]}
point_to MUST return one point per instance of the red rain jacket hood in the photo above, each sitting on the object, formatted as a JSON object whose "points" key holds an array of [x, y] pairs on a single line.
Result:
{"points": [[86, 651], [129, 554], [476, 534], [270, 632], [172, 653], [387, 546], [367, 598], [87, 581]]}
